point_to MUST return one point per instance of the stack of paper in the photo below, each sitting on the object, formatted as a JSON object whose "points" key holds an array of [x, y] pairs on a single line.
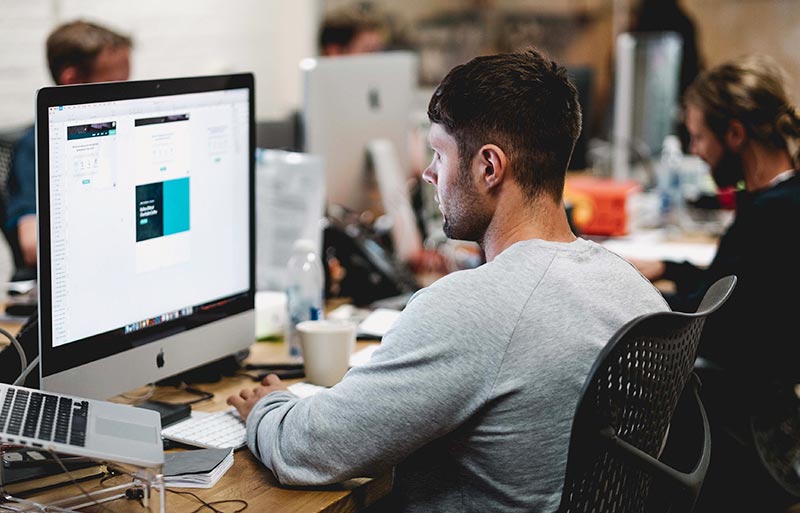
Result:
{"points": [[377, 323], [199, 468]]}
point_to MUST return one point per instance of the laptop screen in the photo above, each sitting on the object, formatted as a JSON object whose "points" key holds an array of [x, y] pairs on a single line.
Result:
{"points": [[145, 224]]}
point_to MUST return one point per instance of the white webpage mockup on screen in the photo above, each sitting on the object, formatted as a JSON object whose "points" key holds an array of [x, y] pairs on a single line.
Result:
{"points": [[139, 210], [146, 218]]}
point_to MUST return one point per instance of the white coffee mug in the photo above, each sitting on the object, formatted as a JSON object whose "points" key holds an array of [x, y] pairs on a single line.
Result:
{"points": [[326, 346]]}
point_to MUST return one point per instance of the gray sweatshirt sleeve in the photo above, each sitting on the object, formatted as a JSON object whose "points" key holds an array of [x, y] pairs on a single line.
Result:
{"points": [[418, 386]]}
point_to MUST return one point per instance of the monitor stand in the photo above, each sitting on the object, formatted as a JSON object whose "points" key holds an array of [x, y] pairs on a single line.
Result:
{"points": [[210, 372]]}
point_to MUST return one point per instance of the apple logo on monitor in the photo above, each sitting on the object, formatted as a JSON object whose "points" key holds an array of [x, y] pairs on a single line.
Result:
{"points": [[160, 358], [374, 99]]}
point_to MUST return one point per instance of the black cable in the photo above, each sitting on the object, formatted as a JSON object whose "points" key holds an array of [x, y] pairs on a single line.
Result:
{"points": [[273, 366], [23, 358], [112, 473], [76, 483], [246, 374], [204, 504], [204, 396], [210, 505], [283, 374]]}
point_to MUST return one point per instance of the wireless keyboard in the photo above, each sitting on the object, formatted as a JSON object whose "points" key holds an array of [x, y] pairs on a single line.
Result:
{"points": [[218, 430], [222, 429]]}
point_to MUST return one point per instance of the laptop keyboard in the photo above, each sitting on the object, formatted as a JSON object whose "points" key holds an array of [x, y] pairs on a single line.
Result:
{"points": [[44, 416]]}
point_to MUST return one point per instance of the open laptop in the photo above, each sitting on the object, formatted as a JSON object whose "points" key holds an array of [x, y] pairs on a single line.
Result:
{"points": [[82, 427]]}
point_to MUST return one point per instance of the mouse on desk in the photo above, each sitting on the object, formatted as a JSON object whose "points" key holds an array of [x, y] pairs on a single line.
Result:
{"points": [[283, 374], [21, 309]]}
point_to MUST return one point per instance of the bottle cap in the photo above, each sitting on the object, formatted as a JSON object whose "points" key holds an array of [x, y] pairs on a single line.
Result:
{"points": [[671, 144], [305, 245]]}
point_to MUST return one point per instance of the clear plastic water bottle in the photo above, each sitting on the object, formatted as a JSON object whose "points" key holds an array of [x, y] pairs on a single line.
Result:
{"points": [[669, 183], [305, 283]]}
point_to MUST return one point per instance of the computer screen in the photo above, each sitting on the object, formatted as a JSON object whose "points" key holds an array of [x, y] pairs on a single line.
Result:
{"points": [[349, 101], [145, 197], [646, 97]]}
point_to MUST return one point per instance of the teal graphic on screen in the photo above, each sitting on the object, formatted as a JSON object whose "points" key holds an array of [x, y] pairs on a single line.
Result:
{"points": [[162, 209]]}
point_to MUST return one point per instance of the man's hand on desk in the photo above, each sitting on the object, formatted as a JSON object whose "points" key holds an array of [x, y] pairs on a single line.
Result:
{"points": [[653, 270], [248, 397]]}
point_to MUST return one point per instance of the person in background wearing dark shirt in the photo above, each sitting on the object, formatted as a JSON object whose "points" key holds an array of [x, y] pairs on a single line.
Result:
{"points": [[77, 52], [743, 124]]}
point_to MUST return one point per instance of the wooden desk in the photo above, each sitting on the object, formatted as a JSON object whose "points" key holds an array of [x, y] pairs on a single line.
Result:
{"points": [[248, 479]]}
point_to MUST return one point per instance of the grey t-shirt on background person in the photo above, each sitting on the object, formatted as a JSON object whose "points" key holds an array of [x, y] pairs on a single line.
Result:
{"points": [[472, 392]]}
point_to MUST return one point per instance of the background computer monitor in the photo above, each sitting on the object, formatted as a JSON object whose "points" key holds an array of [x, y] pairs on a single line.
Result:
{"points": [[349, 101], [646, 99], [146, 229], [583, 78]]}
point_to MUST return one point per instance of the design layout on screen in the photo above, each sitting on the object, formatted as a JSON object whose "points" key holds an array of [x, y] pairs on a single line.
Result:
{"points": [[149, 216]]}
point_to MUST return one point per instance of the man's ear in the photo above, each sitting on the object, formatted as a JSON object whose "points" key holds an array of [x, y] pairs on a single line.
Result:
{"points": [[493, 163], [736, 135], [70, 75]]}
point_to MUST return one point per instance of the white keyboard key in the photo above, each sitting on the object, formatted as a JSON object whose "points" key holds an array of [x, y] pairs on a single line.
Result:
{"points": [[217, 430]]}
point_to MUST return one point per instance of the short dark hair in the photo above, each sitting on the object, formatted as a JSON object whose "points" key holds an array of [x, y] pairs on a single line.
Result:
{"points": [[78, 43], [341, 26], [520, 101]]}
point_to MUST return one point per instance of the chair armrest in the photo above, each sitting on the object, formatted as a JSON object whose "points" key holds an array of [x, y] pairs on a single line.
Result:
{"points": [[690, 482]]}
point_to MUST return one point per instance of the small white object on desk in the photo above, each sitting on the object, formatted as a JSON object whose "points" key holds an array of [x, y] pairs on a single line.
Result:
{"points": [[304, 389], [362, 356], [270, 313], [377, 323], [653, 245]]}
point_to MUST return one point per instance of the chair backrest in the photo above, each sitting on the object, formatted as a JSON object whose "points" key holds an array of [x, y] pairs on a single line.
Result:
{"points": [[625, 410]]}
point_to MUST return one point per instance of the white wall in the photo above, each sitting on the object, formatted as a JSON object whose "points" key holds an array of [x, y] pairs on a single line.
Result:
{"points": [[171, 38]]}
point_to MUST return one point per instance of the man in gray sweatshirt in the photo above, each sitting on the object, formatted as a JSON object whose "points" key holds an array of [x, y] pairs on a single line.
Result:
{"points": [[471, 394]]}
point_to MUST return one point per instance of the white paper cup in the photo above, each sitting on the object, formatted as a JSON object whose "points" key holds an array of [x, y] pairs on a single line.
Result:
{"points": [[326, 345]]}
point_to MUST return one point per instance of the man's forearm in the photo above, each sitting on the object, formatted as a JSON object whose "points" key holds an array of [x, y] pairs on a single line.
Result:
{"points": [[26, 233]]}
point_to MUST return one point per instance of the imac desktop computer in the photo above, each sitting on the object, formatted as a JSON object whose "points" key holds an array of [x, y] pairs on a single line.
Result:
{"points": [[145, 195], [358, 116], [350, 101]]}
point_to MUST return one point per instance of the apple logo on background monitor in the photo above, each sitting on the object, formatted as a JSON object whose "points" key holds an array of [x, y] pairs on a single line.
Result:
{"points": [[160, 358], [374, 99]]}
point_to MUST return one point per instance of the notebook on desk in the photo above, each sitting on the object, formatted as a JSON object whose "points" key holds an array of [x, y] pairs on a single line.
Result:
{"points": [[83, 427]]}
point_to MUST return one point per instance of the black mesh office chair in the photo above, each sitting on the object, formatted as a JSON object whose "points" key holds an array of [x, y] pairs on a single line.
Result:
{"points": [[616, 459]]}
